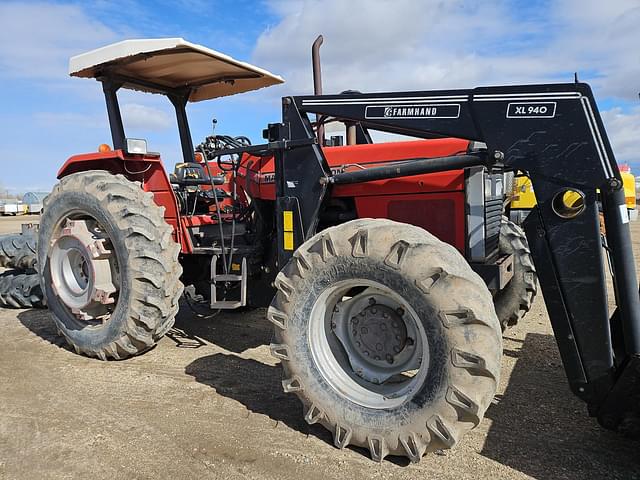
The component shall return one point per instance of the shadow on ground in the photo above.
(258, 387)
(233, 331)
(539, 428)
(40, 323)
(254, 384)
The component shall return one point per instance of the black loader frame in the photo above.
(555, 135)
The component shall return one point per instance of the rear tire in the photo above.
(447, 388)
(20, 290)
(18, 251)
(121, 223)
(514, 301)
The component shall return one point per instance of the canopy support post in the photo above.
(179, 101)
(110, 89)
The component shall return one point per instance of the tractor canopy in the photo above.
(182, 71)
(163, 65)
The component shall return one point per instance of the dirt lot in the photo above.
(207, 403)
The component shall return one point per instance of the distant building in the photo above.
(34, 197)
(33, 201)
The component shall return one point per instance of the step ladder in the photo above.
(217, 278)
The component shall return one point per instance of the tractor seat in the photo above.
(193, 174)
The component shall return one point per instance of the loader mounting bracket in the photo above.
(555, 135)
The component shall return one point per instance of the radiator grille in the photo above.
(485, 194)
(492, 218)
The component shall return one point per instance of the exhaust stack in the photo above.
(317, 81)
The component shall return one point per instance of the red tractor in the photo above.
(380, 263)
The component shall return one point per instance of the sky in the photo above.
(369, 45)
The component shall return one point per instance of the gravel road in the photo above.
(207, 403)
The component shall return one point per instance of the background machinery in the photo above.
(380, 263)
(523, 199)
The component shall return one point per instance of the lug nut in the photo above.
(372, 301)
(400, 311)
(389, 358)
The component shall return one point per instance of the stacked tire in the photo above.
(19, 283)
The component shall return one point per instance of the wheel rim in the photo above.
(84, 269)
(368, 343)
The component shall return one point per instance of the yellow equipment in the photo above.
(629, 184)
(524, 199)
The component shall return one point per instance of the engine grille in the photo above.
(492, 218)
(493, 202)
(485, 195)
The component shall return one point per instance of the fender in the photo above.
(146, 169)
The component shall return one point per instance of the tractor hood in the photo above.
(164, 65)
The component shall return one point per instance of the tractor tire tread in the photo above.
(473, 372)
(155, 269)
(513, 303)
(20, 289)
(18, 251)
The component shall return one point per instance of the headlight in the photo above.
(136, 146)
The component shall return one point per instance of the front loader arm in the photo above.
(554, 133)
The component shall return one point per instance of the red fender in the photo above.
(146, 169)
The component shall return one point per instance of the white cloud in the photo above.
(52, 120)
(137, 116)
(431, 44)
(602, 37)
(409, 45)
(37, 39)
(623, 129)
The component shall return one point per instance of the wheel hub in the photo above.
(80, 267)
(376, 335)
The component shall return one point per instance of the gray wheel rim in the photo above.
(367, 353)
(84, 269)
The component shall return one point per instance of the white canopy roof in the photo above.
(164, 64)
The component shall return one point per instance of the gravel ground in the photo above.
(207, 403)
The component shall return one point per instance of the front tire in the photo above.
(515, 299)
(387, 336)
(109, 265)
